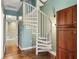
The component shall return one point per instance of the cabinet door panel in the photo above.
(65, 38)
(75, 15)
(69, 41)
(60, 36)
(64, 54)
(71, 56)
(60, 18)
(75, 39)
(69, 15)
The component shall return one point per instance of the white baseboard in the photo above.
(53, 53)
(26, 48)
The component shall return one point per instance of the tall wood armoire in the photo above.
(67, 33)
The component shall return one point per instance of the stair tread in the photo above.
(44, 44)
(42, 41)
(42, 50)
(44, 47)
(42, 38)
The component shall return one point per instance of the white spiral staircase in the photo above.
(40, 25)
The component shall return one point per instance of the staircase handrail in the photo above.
(39, 11)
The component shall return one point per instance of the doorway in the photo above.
(11, 37)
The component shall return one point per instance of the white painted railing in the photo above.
(40, 25)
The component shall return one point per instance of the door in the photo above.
(11, 34)
(11, 31)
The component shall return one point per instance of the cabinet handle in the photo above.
(74, 21)
(75, 32)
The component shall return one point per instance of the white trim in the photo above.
(17, 30)
(26, 48)
(52, 52)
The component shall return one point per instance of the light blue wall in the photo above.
(61, 4)
(25, 38)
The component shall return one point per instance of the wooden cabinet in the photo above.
(67, 33)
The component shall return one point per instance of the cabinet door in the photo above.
(66, 38)
(75, 15)
(75, 42)
(69, 16)
(60, 18)
(64, 54)
(60, 38)
(70, 39)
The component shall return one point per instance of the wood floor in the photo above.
(12, 52)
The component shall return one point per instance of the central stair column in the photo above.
(37, 29)
(23, 3)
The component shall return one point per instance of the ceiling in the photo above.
(11, 7)
(12, 4)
